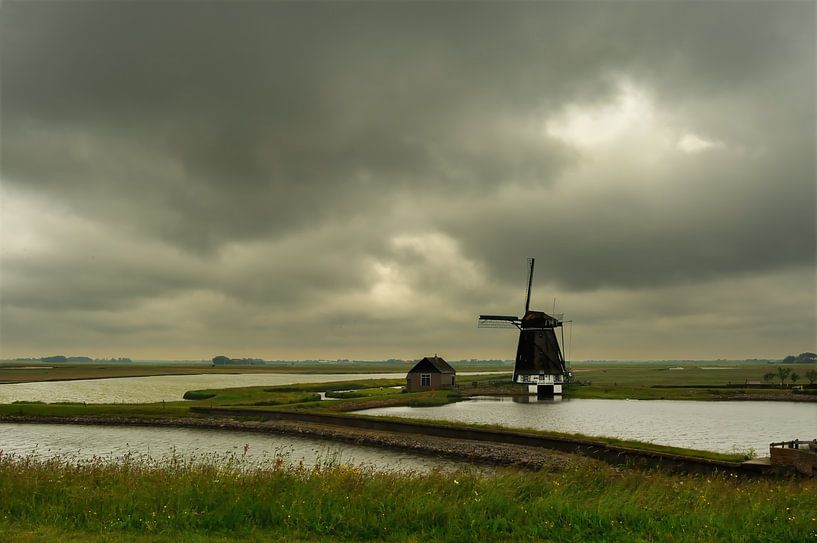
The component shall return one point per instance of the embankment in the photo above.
(497, 447)
(596, 449)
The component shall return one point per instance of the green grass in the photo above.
(199, 395)
(363, 393)
(251, 396)
(222, 500)
(167, 410)
(290, 394)
(70, 372)
(662, 382)
(337, 385)
(648, 375)
(625, 391)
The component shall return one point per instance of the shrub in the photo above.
(198, 395)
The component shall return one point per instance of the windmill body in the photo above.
(539, 361)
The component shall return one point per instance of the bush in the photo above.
(807, 391)
(198, 395)
(346, 395)
(288, 400)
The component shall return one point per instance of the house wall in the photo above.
(438, 381)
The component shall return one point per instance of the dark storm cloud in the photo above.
(266, 114)
(752, 215)
(236, 164)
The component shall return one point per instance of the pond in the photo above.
(78, 442)
(723, 426)
(161, 387)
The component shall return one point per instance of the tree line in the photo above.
(787, 374)
(802, 358)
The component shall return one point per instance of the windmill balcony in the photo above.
(541, 379)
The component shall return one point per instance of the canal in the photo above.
(83, 442)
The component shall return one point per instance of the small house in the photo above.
(430, 373)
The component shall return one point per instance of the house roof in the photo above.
(432, 364)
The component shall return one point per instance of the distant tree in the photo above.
(791, 359)
(794, 377)
(806, 357)
(769, 377)
(54, 359)
(811, 375)
(220, 360)
(782, 374)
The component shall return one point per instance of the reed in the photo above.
(232, 498)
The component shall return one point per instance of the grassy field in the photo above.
(23, 372)
(687, 381)
(220, 500)
(32, 372)
(684, 374)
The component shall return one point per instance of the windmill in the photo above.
(539, 360)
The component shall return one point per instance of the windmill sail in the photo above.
(498, 321)
(531, 261)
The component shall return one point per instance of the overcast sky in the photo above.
(361, 180)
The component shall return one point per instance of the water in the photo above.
(723, 426)
(77, 442)
(718, 426)
(161, 387)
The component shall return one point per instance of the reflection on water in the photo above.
(114, 442)
(722, 426)
(161, 387)
(521, 399)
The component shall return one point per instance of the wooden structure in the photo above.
(800, 455)
(539, 362)
(430, 373)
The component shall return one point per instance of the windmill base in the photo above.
(545, 391)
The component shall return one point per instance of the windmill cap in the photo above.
(533, 319)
